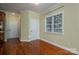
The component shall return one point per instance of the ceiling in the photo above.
(17, 7)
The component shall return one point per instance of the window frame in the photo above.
(49, 15)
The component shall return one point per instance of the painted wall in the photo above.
(26, 17)
(70, 39)
(24, 26)
(34, 30)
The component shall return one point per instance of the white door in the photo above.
(34, 29)
(12, 27)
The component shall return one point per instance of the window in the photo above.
(54, 23)
(49, 24)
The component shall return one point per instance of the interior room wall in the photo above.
(70, 39)
(26, 17)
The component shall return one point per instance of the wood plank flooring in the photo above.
(35, 47)
(48, 49)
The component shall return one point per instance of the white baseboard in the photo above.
(65, 48)
(23, 40)
(32, 40)
(28, 40)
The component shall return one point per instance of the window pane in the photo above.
(49, 24)
(55, 26)
(58, 23)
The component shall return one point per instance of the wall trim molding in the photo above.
(28, 40)
(65, 48)
(23, 40)
(53, 8)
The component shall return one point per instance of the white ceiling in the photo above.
(17, 7)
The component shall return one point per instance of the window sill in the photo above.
(55, 33)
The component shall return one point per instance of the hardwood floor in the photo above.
(35, 47)
(48, 49)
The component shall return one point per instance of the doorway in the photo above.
(12, 25)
